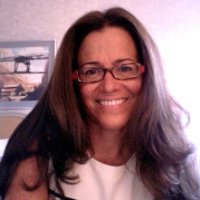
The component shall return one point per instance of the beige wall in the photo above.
(8, 124)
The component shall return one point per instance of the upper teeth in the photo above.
(111, 102)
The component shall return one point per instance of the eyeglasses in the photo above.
(91, 74)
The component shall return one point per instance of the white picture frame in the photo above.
(25, 70)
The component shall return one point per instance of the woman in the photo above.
(106, 127)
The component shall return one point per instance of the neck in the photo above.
(106, 145)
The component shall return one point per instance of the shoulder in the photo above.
(24, 180)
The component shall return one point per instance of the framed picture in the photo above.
(25, 70)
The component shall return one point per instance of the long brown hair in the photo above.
(154, 132)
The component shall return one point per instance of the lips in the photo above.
(112, 102)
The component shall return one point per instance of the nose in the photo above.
(109, 83)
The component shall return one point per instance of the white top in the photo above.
(99, 181)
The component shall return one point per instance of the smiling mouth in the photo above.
(111, 102)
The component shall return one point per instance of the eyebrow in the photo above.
(90, 63)
(118, 61)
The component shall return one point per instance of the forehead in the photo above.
(107, 43)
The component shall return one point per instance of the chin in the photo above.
(108, 123)
(116, 126)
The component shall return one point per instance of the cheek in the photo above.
(87, 98)
(86, 92)
(136, 86)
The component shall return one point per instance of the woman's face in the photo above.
(109, 102)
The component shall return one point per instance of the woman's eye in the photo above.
(90, 72)
(125, 68)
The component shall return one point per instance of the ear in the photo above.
(141, 69)
(74, 75)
